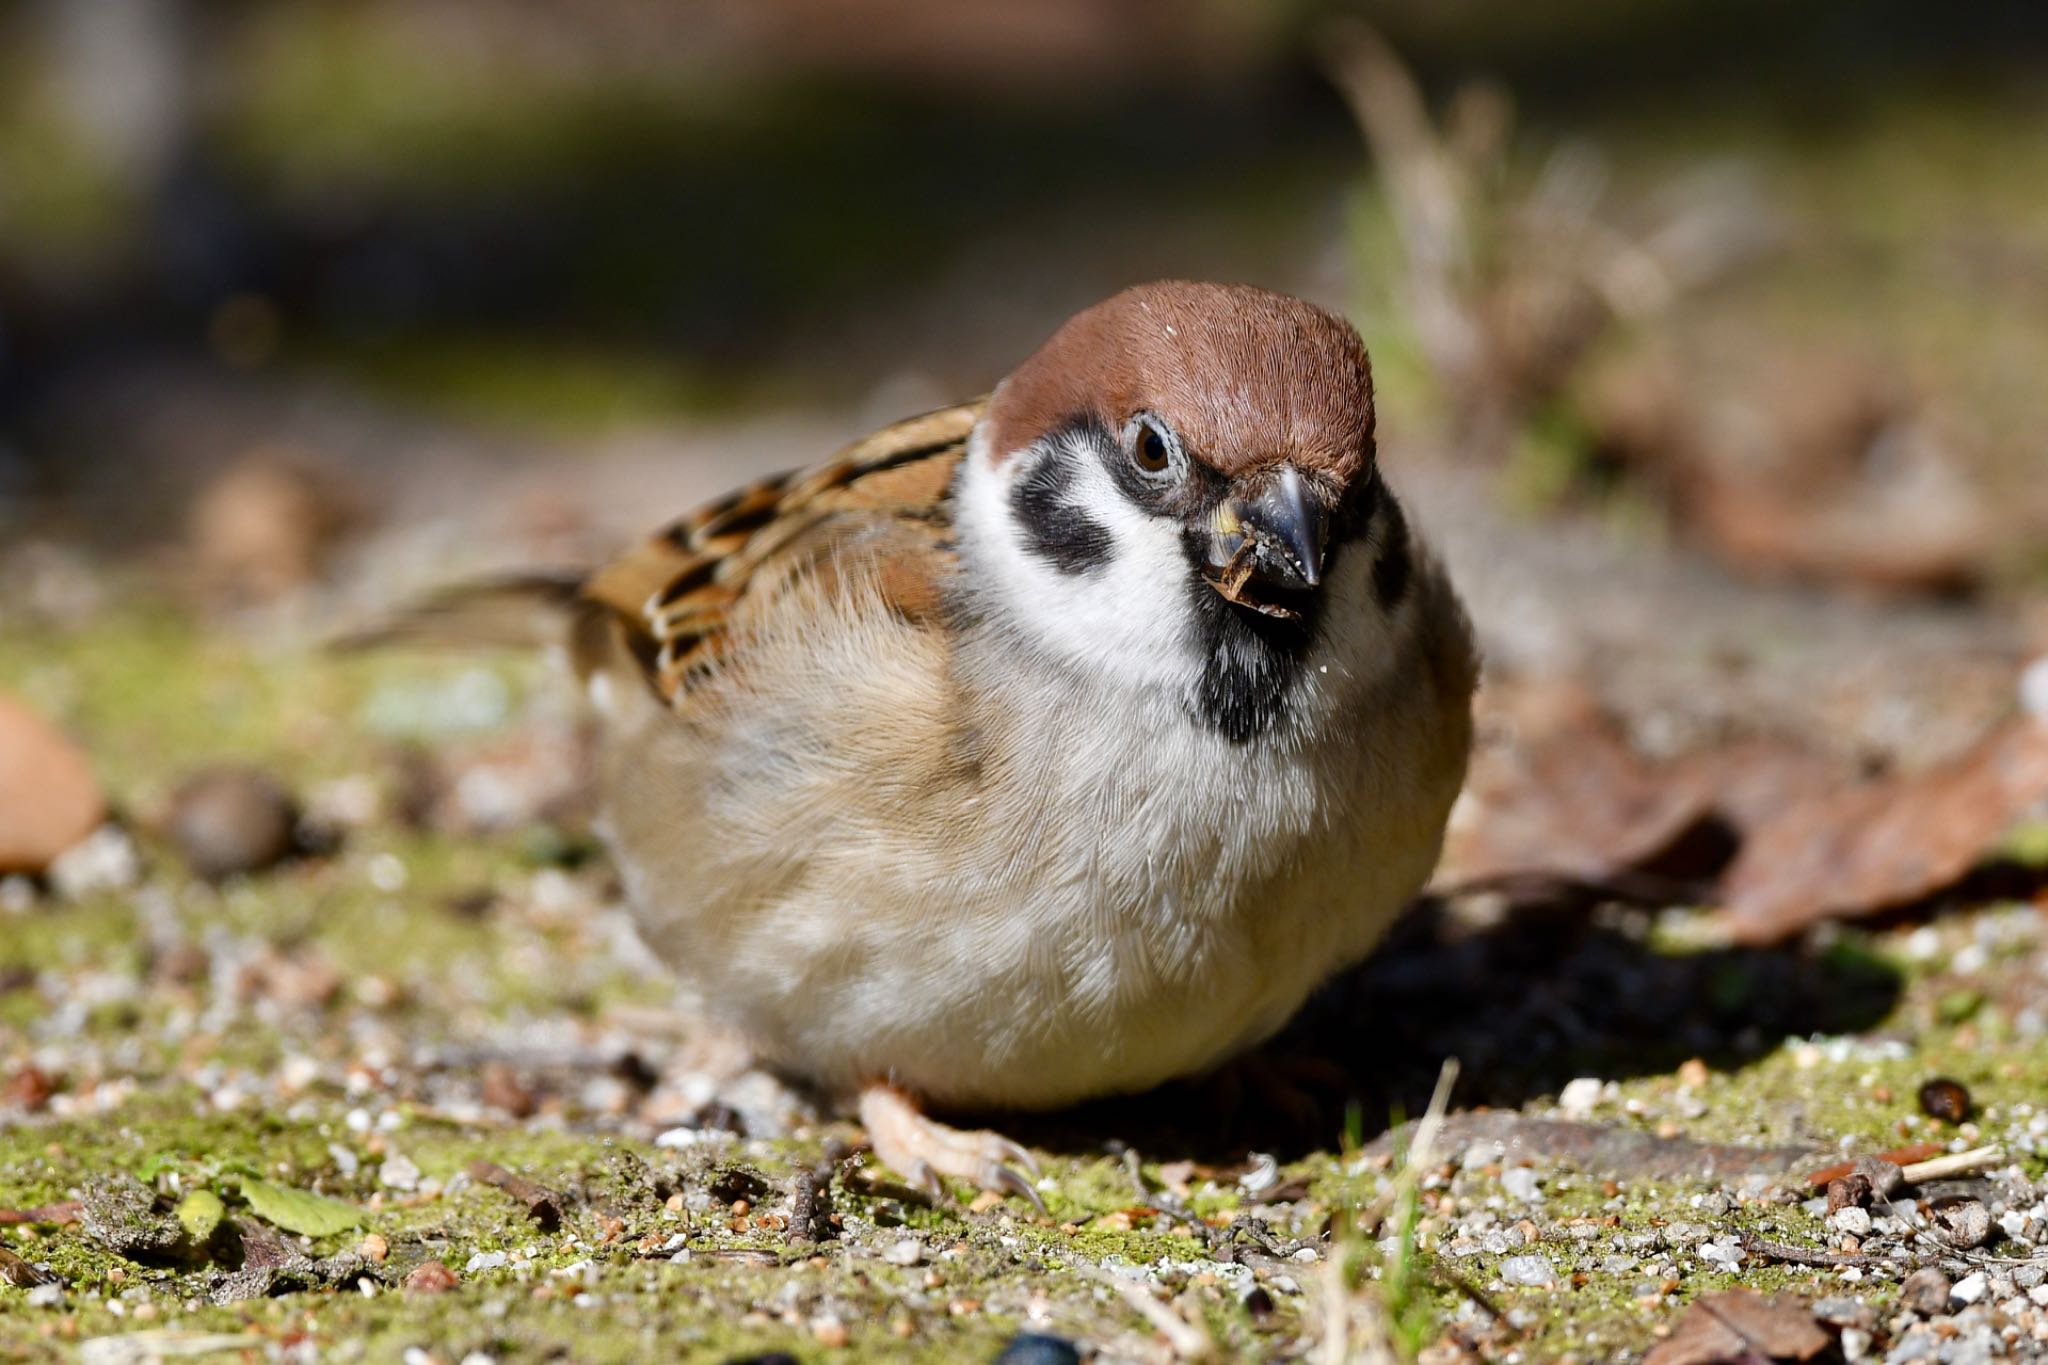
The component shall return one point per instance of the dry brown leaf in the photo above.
(1819, 468)
(1888, 842)
(1558, 792)
(1741, 1326)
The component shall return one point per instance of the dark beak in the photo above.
(1268, 548)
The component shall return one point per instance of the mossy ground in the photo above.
(310, 1024)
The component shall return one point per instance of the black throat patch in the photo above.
(1250, 662)
(1054, 528)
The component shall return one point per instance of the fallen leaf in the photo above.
(1888, 842)
(1822, 468)
(65, 1212)
(1557, 792)
(1740, 1327)
(310, 1215)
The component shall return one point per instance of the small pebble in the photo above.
(1855, 1344)
(1528, 1270)
(2034, 688)
(228, 821)
(1846, 1312)
(398, 1172)
(1520, 1183)
(1925, 1292)
(1580, 1098)
(1038, 1348)
(374, 1249)
(905, 1252)
(1852, 1220)
(1967, 1223)
(1848, 1191)
(1970, 1288)
(1918, 1344)
(1722, 1253)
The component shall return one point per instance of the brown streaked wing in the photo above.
(676, 594)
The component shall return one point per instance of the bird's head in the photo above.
(1177, 472)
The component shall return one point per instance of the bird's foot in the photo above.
(926, 1151)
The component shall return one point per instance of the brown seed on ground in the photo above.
(432, 1277)
(1849, 1191)
(29, 1088)
(49, 799)
(1944, 1099)
(502, 1089)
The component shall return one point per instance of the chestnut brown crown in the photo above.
(1247, 377)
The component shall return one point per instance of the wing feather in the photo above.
(677, 596)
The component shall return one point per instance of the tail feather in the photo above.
(521, 611)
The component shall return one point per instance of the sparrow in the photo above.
(1049, 746)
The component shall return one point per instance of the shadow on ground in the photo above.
(1525, 1004)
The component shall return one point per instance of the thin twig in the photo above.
(1959, 1163)
(1781, 1251)
(543, 1205)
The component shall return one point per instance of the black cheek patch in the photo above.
(1054, 529)
(1395, 566)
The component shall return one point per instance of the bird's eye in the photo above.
(1150, 451)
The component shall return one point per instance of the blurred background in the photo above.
(1710, 333)
(1769, 281)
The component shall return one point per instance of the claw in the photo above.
(1018, 1155)
(1005, 1179)
(928, 1151)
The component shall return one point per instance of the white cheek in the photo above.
(1130, 618)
